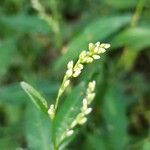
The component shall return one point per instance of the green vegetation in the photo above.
(37, 40)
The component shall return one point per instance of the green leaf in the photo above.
(98, 30)
(26, 23)
(137, 37)
(7, 52)
(14, 95)
(37, 99)
(114, 112)
(68, 111)
(95, 142)
(6, 142)
(38, 130)
(134, 40)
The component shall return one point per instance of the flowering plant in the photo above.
(75, 116)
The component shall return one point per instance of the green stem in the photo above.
(54, 136)
(56, 15)
(138, 12)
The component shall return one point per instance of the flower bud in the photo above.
(96, 56)
(66, 83)
(91, 46)
(76, 73)
(88, 111)
(69, 132)
(70, 64)
(69, 72)
(89, 60)
(82, 120)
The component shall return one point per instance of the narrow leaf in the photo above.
(38, 129)
(37, 99)
(114, 112)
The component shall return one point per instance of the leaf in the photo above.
(137, 37)
(95, 142)
(6, 142)
(98, 30)
(114, 112)
(134, 40)
(7, 52)
(26, 23)
(37, 99)
(14, 95)
(68, 111)
(38, 129)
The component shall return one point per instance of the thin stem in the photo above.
(52, 20)
(56, 16)
(54, 136)
(138, 12)
(60, 92)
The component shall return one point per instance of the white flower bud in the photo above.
(69, 72)
(66, 83)
(90, 97)
(89, 60)
(70, 64)
(101, 50)
(51, 111)
(82, 120)
(76, 73)
(84, 102)
(80, 66)
(96, 56)
(82, 54)
(106, 45)
(69, 132)
(96, 49)
(91, 86)
(88, 111)
(73, 124)
(91, 46)
(97, 44)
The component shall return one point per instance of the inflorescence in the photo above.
(74, 70)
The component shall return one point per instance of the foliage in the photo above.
(34, 50)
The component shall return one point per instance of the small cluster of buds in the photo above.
(86, 57)
(81, 118)
(51, 111)
(85, 110)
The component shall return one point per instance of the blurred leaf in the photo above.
(98, 30)
(146, 145)
(6, 142)
(134, 40)
(35, 96)
(7, 51)
(68, 111)
(95, 142)
(25, 23)
(38, 129)
(137, 38)
(114, 112)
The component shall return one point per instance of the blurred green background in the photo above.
(33, 50)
